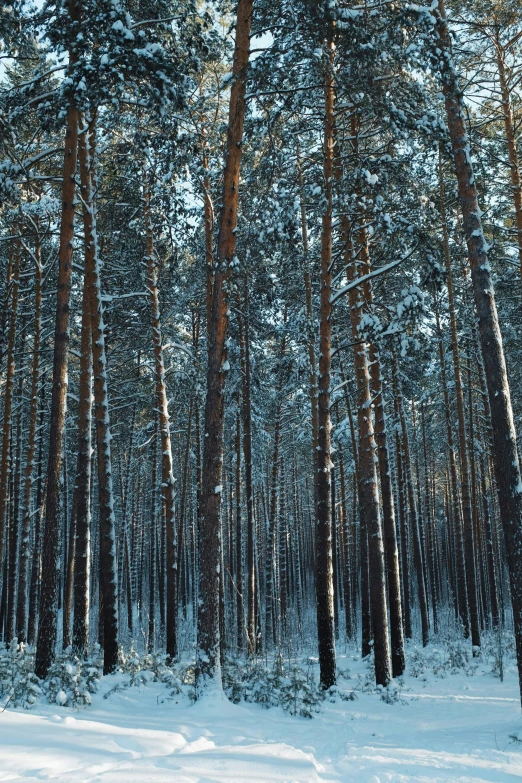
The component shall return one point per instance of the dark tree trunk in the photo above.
(388, 519)
(323, 534)
(108, 568)
(47, 626)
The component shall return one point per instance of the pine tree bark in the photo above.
(511, 141)
(469, 545)
(505, 452)
(403, 524)
(414, 520)
(167, 475)
(388, 519)
(208, 639)
(8, 397)
(22, 601)
(16, 478)
(82, 487)
(108, 564)
(371, 540)
(310, 322)
(32, 619)
(47, 626)
(240, 620)
(244, 347)
(323, 533)
(461, 591)
(270, 552)
(152, 540)
(430, 547)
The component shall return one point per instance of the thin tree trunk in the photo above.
(415, 527)
(240, 620)
(462, 604)
(323, 534)
(152, 541)
(108, 567)
(244, 347)
(16, 476)
(405, 549)
(47, 626)
(270, 586)
(22, 606)
(469, 546)
(5, 464)
(34, 594)
(511, 140)
(430, 548)
(388, 519)
(310, 323)
(167, 475)
(82, 488)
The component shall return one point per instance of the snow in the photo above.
(456, 728)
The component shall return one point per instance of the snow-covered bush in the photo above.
(150, 667)
(280, 685)
(71, 682)
(19, 686)
(392, 693)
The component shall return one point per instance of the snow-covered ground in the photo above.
(457, 728)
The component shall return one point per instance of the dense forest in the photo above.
(261, 284)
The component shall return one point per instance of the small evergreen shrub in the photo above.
(71, 682)
(286, 686)
(151, 667)
(19, 686)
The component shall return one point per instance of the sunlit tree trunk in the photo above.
(505, 453)
(209, 545)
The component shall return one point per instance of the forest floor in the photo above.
(447, 723)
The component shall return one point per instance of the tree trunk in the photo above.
(108, 567)
(167, 475)
(152, 540)
(22, 606)
(16, 477)
(34, 594)
(240, 620)
(415, 527)
(82, 487)
(388, 521)
(8, 399)
(244, 347)
(469, 546)
(47, 626)
(323, 534)
(511, 140)
(208, 640)
(270, 586)
(462, 604)
(405, 548)
(505, 453)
